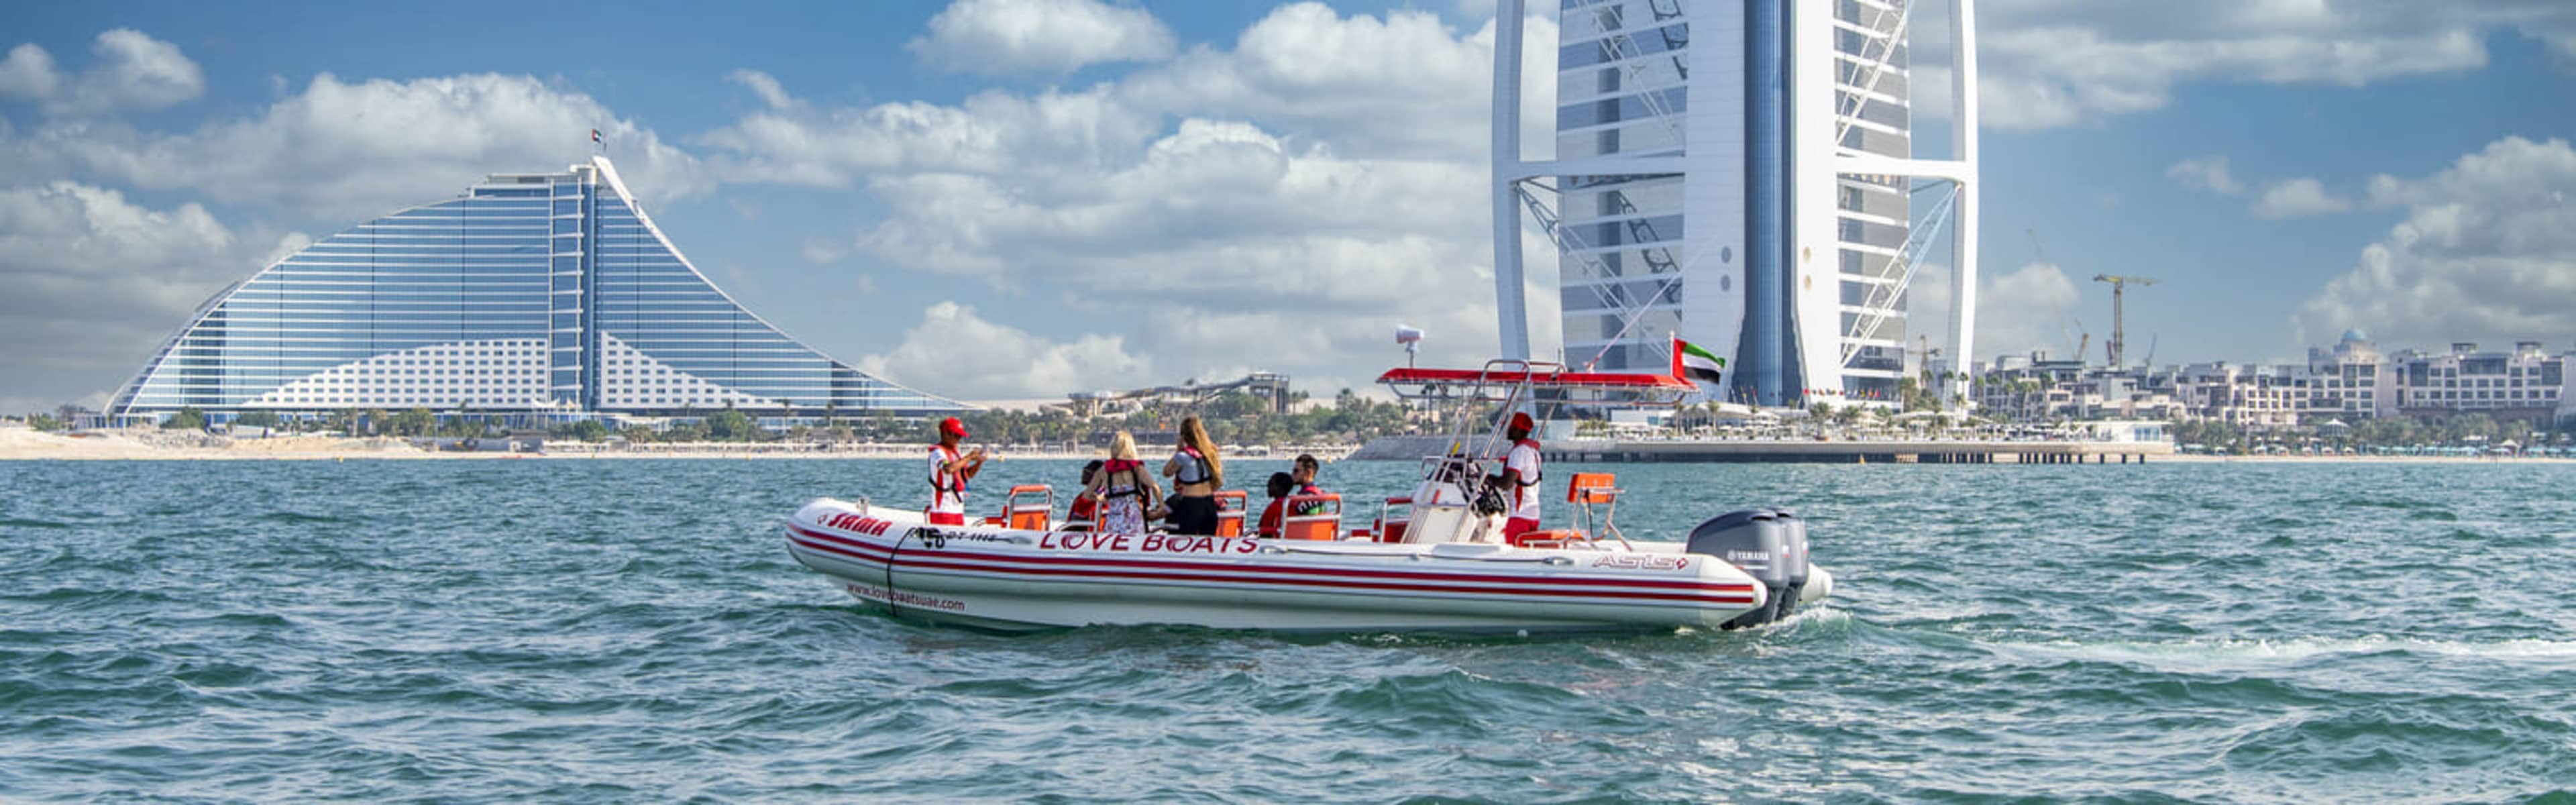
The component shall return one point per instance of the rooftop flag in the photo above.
(594, 136)
(1692, 363)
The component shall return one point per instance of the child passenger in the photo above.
(1079, 514)
(1280, 485)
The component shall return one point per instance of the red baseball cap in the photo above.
(1521, 421)
(953, 427)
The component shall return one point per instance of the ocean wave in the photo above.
(2223, 652)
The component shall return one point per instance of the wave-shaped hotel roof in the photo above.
(544, 293)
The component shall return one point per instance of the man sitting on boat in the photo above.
(1520, 478)
(949, 473)
(1304, 477)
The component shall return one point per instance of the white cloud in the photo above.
(95, 280)
(2205, 173)
(136, 71)
(287, 245)
(132, 71)
(2045, 63)
(28, 74)
(2017, 312)
(824, 250)
(374, 145)
(794, 143)
(1211, 185)
(763, 85)
(995, 37)
(2487, 253)
(2297, 198)
(957, 353)
(1277, 206)
(1402, 84)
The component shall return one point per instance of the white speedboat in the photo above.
(1438, 564)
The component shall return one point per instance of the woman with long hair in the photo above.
(1124, 491)
(1196, 472)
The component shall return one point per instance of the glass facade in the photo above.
(1623, 67)
(1625, 87)
(1873, 214)
(531, 292)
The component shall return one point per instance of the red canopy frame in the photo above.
(1497, 383)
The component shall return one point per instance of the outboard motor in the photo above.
(1767, 544)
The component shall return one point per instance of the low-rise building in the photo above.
(2347, 382)
(2526, 383)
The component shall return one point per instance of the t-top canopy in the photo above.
(1598, 387)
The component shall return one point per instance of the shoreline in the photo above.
(21, 444)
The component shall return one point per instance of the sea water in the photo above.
(573, 630)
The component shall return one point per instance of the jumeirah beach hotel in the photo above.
(549, 294)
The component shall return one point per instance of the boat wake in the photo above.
(2234, 653)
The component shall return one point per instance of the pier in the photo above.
(1857, 451)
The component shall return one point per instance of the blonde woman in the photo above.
(1196, 472)
(1123, 488)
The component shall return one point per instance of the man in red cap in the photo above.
(1521, 477)
(949, 472)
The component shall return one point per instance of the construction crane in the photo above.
(1923, 356)
(2041, 255)
(2081, 344)
(2119, 285)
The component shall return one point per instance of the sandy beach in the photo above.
(26, 444)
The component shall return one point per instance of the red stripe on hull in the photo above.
(1739, 595)
(1072, 561)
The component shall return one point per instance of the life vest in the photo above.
(1207, 474)
(1535, 476)
(1532, 444)
(946, 484)
(1312, 506)
(1109, 472)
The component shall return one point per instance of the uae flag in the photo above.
(1692, 363)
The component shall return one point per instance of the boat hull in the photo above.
(1007, 579)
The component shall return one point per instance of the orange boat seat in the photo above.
(1592, 488)
(1029, 507)
(1325, 525)
(1229, 513)
(1392, 522)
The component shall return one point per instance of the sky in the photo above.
(1014, 199)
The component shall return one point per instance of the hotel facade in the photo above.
(2348, 382)
(547, 293)
(1740, 173)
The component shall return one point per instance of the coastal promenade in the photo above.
(1844, 451)
(1830, 451)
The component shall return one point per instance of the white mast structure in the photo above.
(1713, 156)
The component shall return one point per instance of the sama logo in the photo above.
(929, 538)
